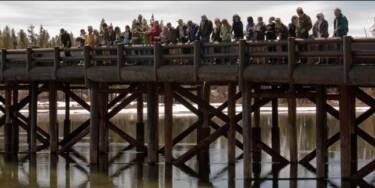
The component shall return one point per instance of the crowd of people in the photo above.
(207, 31)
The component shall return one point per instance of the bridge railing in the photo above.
(347, 51)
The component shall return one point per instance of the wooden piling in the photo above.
(67, 112)
(232, 124)
(152, 123)
(53, 127)
(247, 129)
(348, 140)
(292, 127)
(94, 124)
(168, 122)
(8, 120)
(103, 125)
(256, 136)
(275, 130)
(33, 116)
(321, 134)
(203, 132)
(15, 128)
(140, 127)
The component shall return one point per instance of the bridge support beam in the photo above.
(247, 130)
(152, 123)
(140, 127)
(168, 122)
(8, 121)
(33, 114)
(53, 124)
(275, 130)
(321, 134)
(67, 113)
(348, 140)
(232, 124)
(203, 132)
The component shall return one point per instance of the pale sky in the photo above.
(74, 15)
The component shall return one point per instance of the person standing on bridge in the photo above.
(250, 28)
(192, 31)
(270, 36)
(127, 36)
(320, 28)
(304, 24)
(260, 30)
(66, 42)
(89, 39)
(216, 33)
(182, 31)
(340, 24)
(205, 30)
(237, 27)
(292, 27)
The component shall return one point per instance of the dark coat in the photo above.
(323, 29)
(271, 32)
(205, 28)
(192, 32)
(341, 25)
(237, 29)
(216, 35)
(282, 32)
(260, 30)
(183, 38)
(305, 26)
(292, 30)
(65, 40)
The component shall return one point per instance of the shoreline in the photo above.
(178, 109)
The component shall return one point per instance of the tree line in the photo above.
(31, 37)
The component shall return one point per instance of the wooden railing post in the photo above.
(291, 58)
(347, 54)
(292, 102)
(157, 59)
(29, 59)
(120, 60)
(56, 61)
(87, 61)
(197, 58)
(3, 61)
(242, 61)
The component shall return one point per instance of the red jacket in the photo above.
(155, 34)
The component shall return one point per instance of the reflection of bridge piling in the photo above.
(147, 72)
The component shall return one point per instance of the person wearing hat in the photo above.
(182, 31)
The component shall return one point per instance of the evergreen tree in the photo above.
(14, 39)
(6, 38)
(43, 37)
(22, 39)
(32, 35)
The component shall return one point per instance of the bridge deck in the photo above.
(327, 62)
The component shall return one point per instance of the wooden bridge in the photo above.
(257, 73)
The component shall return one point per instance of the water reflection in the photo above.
(127, 168)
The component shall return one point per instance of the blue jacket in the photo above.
(193, 32)
(341, 25)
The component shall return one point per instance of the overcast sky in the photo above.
(76, 15)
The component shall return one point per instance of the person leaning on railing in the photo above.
(282, 35)
(66, 42)
(237, 27)
(303, 28)
(340, 24)
(320, 30)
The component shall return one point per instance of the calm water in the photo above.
(73, 171)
